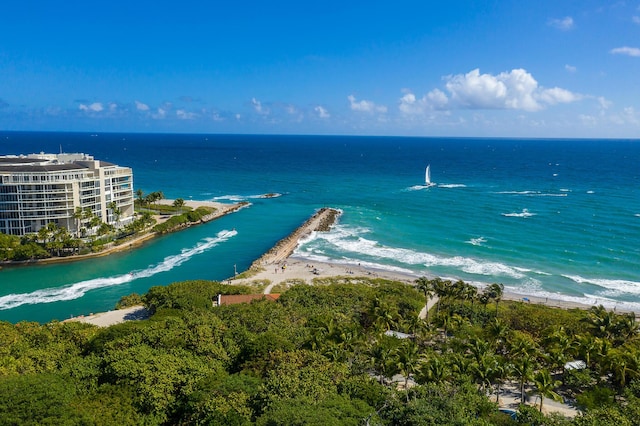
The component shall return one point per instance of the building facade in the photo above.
(37, 189)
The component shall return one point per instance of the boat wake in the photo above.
(77, 290)
(237, 198)
(523, 213)
(476, 241)
(419, 187)
(563, 193)
(452, 185)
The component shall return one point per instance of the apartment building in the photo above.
(37, 189)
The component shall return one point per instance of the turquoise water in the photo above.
(555, 218)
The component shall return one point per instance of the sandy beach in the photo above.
(105, 319)
(297, 269)
(281, 266)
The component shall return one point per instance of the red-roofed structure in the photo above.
(234, 299)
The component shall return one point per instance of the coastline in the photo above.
(222, 209)
(280, 266)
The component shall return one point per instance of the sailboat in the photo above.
(427, 177)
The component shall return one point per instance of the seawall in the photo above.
(321, 221)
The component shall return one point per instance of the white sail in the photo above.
(427, 177)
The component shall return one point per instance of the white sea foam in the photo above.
(535, 193)
(317, 256)
(518, 192)
(77, 290)
(417, 187)
(523, 213)
(350, 240)
(452, 185)
(238, 198)
(476, 241)
(621, 286)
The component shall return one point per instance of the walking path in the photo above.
(105, 319)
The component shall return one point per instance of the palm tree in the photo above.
(602, 322)
(502, 369)
(140, 196)
(381, 357)
(479, 348)
(459, 364)
(484, 371)
(523, 367)
(113, 206)
(78, 215)
(546, 386)
(408, 357)
(178, 203)
(383, 314)
(433, 369)
(440, 288)
(560, 347)
(624, 363)
(627, 327)
(495, 292)
(497, 330)
(588, 347)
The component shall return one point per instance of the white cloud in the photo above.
(94, 107)
(557, 95)
(564, 24)
(160, 114)
(437, 99)
(636, 19)
(570, 68)
(630, 115)
(629, 51)
(322, 112)
(113, 107)
(604, 103)
(516, 89)
(185, 115)
(588, 120)
(434, 100)
(141, 106)
(257, 106)
(512, 90)
(410, 105)
(365, 106)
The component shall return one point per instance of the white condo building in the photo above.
(40, 188)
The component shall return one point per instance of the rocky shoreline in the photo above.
(321, 221)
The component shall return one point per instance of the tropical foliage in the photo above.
(329, 354)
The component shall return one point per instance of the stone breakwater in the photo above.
(321, 221)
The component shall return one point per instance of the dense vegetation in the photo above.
(53, 240)
(319, 355)
(177, 221)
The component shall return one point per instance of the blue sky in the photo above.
(415, 68)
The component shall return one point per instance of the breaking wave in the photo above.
(523, 213)
(77, 290)
(618, 286)
(349, 242)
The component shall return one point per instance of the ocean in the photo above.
(551, 218)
